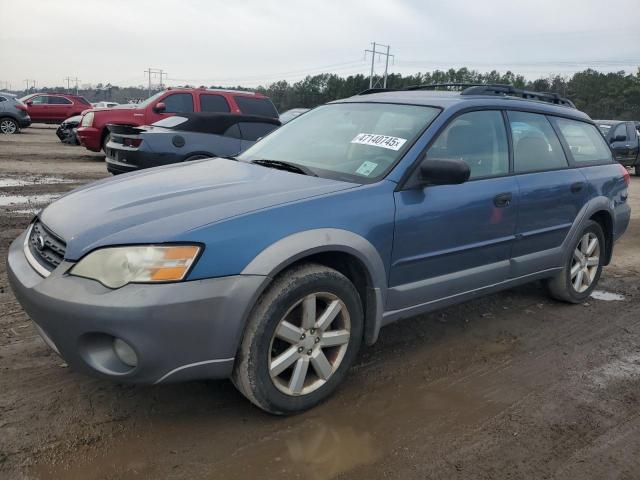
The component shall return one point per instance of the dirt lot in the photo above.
(510, 386)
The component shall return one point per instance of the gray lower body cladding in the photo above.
(179, 331)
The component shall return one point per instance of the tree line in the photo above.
(613, 95)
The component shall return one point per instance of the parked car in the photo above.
(93, 132)
(13, 114)
(624, 139)
(275, 267)
(66, 132)
(104, 104)
(182, 138)
(54, 107)
(291, 114)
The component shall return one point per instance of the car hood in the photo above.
(162, 204)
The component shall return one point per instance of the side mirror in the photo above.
(160, 107)
(619, 138)
(29, 103)
(441, 171)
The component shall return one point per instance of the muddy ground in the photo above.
(514, 385)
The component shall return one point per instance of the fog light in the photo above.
(124, 352)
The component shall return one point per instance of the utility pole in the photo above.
(155, 71)
(375, 52)
(30, 84)
(69, 80)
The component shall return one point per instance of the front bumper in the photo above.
(179, 331)
(90, 138)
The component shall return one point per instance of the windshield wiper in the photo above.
(290, 167)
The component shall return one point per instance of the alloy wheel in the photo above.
(585, 262)
(309, 344)
(8, 126)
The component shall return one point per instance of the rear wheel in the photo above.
(583, 266)
(9, 125)
(301, 339)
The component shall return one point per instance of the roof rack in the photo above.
(369, 91)
(499, 89)
(484, 89)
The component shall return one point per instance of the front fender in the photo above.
(297, 246)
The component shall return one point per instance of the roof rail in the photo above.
(500, 89)
(369, 91)
(443, 86)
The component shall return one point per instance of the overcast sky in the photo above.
(256, 42)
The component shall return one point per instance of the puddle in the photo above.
(19, 182)
(8, 200)
(606, 296)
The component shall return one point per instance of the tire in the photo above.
(576, 288)
(262, 353)
(197, 157)
(9, 126)
(105, 140)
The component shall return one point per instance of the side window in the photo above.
(213, 103)
(256, 106)
(584, 140)
(59, 101)
(2, 99)
(535, 144)
(253, 131)
(631, 131)
(178, 103)
(478, 138)
(40, 100)
(620, 131)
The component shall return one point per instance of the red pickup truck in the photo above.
(93, 134)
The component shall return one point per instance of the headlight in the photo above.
(87, 119)
(115, 267)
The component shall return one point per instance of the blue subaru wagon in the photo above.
(273, 268)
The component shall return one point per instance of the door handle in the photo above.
(502, 200)
(577, 187)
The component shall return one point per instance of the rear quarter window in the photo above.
(253, 131)
(256, 106)
(585, 142)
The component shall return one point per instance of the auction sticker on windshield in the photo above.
(383, 141)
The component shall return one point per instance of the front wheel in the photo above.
(301, 339)
(9, 126)
(583, 266)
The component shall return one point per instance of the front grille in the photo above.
(47, 249)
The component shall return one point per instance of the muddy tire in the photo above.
(9, 126)
(582, 268)
(301, 338)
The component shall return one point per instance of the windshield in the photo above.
(150, 100)
(357, 142)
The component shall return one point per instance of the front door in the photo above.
(453, 239)
(621, 144)
(39, 107)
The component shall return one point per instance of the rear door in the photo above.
(452, 239)
(551, 193)
(212, 102)
(59, 108)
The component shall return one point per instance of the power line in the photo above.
(386, 63)
(155, 71)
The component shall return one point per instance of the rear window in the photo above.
(85, 102)
(585, 142)
(256, 106)
(213, 103)
(536, 146)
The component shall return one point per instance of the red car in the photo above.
(54, 107)
(93, 134)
